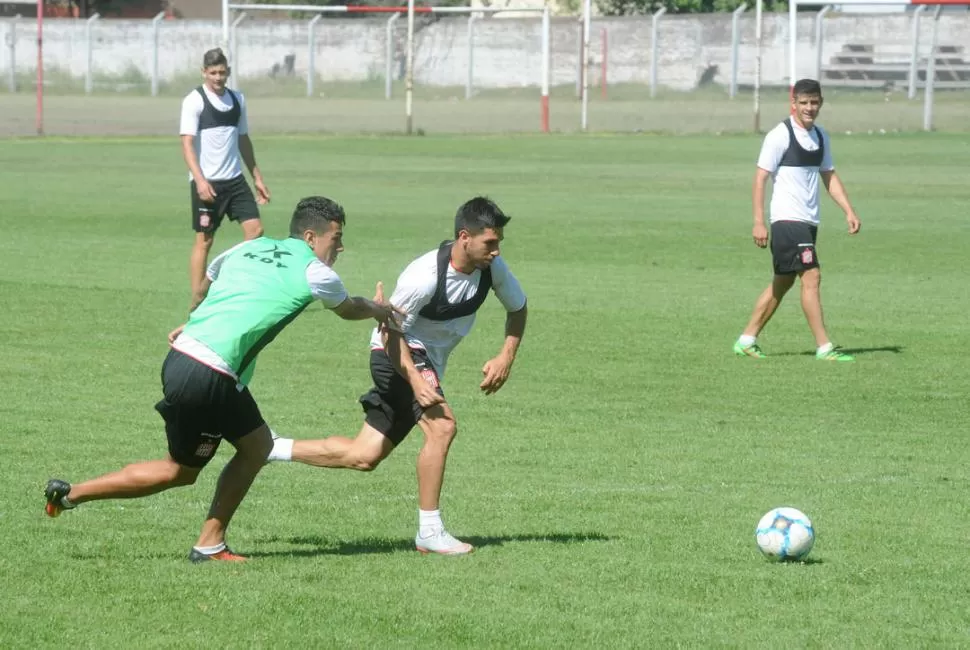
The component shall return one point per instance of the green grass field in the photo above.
(612, 487)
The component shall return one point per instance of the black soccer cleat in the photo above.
(55, 492)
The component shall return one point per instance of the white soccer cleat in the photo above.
(442, 543)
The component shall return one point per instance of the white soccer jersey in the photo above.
(415, 289)
(217, 148)
(795, 191)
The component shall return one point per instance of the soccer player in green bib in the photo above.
(251, 292)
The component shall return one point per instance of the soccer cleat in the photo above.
(55, 492)
(225, 555)
(749, 350)
(835, 354)
(442, 543)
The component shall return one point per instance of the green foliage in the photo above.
(644, 7)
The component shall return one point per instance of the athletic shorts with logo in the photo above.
(234, 199)
(390, 406)
(201, 407)
(793, 246)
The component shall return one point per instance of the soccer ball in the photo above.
(785, 534)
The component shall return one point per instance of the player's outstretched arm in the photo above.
(838, 193)
(497, 370)
(360, 308)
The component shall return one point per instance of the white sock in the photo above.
(825, 349)
(210, 550)
(429, 522)
(282, 449)
(66, 503)
(746, 340)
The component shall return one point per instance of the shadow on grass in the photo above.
(895, 349)
(322, 546)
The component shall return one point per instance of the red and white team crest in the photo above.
(807, 256)
(204, 220)
(431, 377)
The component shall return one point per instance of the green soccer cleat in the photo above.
(835, 354)
(749, 351)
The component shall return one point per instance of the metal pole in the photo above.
(735, 46)
(389, 55)
(88, 76)
(914, 56)
(311, 72)
(587, 10)
(757, 66)
(471, 56)
(579, 61)
(931, 73)
(544, 100)
(156, 21)
(409, 72)
(604, 43)
(12, 45)
(225, 24)
(792, 41)
(233, 42)
(819, 36)
(655, 49)
(39, 118)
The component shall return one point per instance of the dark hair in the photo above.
(478, 214)
(214, 57)
(315, 213)
(806, 87)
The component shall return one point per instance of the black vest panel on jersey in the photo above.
(798, 156)
(439, 308)
(212, 117)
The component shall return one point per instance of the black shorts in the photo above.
(390, 406)
(793, 247)
(201, 407)
(234, 199)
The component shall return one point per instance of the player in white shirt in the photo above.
(215, 143)
(796, 154)
(440, 293)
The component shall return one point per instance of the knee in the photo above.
(182, 475)
(445, 431)
(252, 229)
(811, 280)
(366, 463)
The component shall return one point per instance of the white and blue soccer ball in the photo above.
(785, 534)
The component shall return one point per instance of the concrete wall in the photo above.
(507, 51)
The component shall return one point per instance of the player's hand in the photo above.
(854, 224)
(205, 191)
(262, 192)
(496, 373)
(760, 235)
(426, 395)
(389, 315)
(174, 334)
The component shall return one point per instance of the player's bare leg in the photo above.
(812, 305)
(363, 453)
(252, 228)
(234, 482)
(767, 303)
(131, 482)
(439, 427)
(197, 264)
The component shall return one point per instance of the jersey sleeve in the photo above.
(415, 289)
(243, 127)
(191, 111)
(773, 149)
(827, 162)
(325, 285)
(216, 265)
(506, 286)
